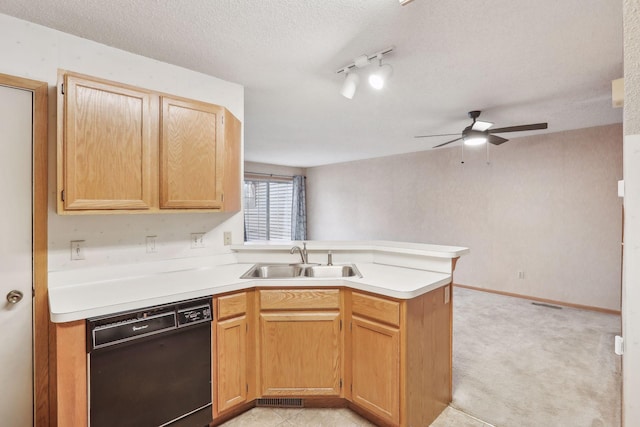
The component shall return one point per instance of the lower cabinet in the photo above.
(375, 368)
(300, 354)
(232, 362)
(300, 342)
(401, 356)
(234, 346)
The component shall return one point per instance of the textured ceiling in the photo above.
(519, 61)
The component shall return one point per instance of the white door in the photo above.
(16, 360)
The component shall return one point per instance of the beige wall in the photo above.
(36, 52)
(546, 205)
(631, 287)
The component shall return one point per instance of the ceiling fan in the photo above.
(479, 132)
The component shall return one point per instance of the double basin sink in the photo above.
(288, 271)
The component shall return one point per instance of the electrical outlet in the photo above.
(197, 240)
(227, 238)
(520, 274)
(77, 250)
(151, 244)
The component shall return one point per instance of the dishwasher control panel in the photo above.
(119, 328)
(190, 315)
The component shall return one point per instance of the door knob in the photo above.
(14, 297)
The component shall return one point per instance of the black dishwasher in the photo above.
(151, 367)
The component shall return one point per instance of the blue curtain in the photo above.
(299, 209)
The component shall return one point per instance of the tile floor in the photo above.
(341, 417)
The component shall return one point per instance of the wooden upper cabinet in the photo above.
(123, 149)
(232, 180)
(107, 146)
(191, 154)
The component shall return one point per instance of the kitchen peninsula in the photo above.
(379, 344)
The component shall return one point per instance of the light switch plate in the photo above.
(152, 248)
(197, 240)
(77, 250)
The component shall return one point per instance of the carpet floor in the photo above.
(516, 364)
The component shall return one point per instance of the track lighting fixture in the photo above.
(377, 78)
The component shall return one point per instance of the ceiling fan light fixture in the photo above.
(475, 140)
(349, 85)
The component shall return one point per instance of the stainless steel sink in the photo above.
(273, 271)
(288, 271)
(332, 271)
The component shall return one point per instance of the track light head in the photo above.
(379, 77)
(349, 85)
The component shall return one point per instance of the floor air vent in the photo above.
(280, 402)
(541, 304)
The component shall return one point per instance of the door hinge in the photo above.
(62, 88)
(62, 195)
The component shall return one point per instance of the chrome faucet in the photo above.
(303, 252)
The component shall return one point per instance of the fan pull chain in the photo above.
(462, 156)
(487, 144)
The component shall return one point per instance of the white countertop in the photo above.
(81, 301)
(76, 295)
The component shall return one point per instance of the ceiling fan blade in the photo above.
(442, 134)
(448, 142)
(496, 140)
(535, 126)
(481, 126)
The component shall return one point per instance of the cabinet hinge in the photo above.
(222, 197)
(247, 387)
(351, 388)
(351, 326)
(340, 382)
(340, 324)
(62, 88)
(62, 195)
(246, 327)
(222, 119)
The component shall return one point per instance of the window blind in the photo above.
(267, 212)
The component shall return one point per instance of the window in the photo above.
(267, 209)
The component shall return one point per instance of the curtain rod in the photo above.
(269, 174)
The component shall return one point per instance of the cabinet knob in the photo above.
(14, 296)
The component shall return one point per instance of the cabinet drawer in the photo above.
(376, 308)
(300, 299)
(232, 305)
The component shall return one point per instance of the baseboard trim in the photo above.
(544, 300)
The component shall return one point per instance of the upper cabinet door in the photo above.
(191, 154)
(107, 146)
